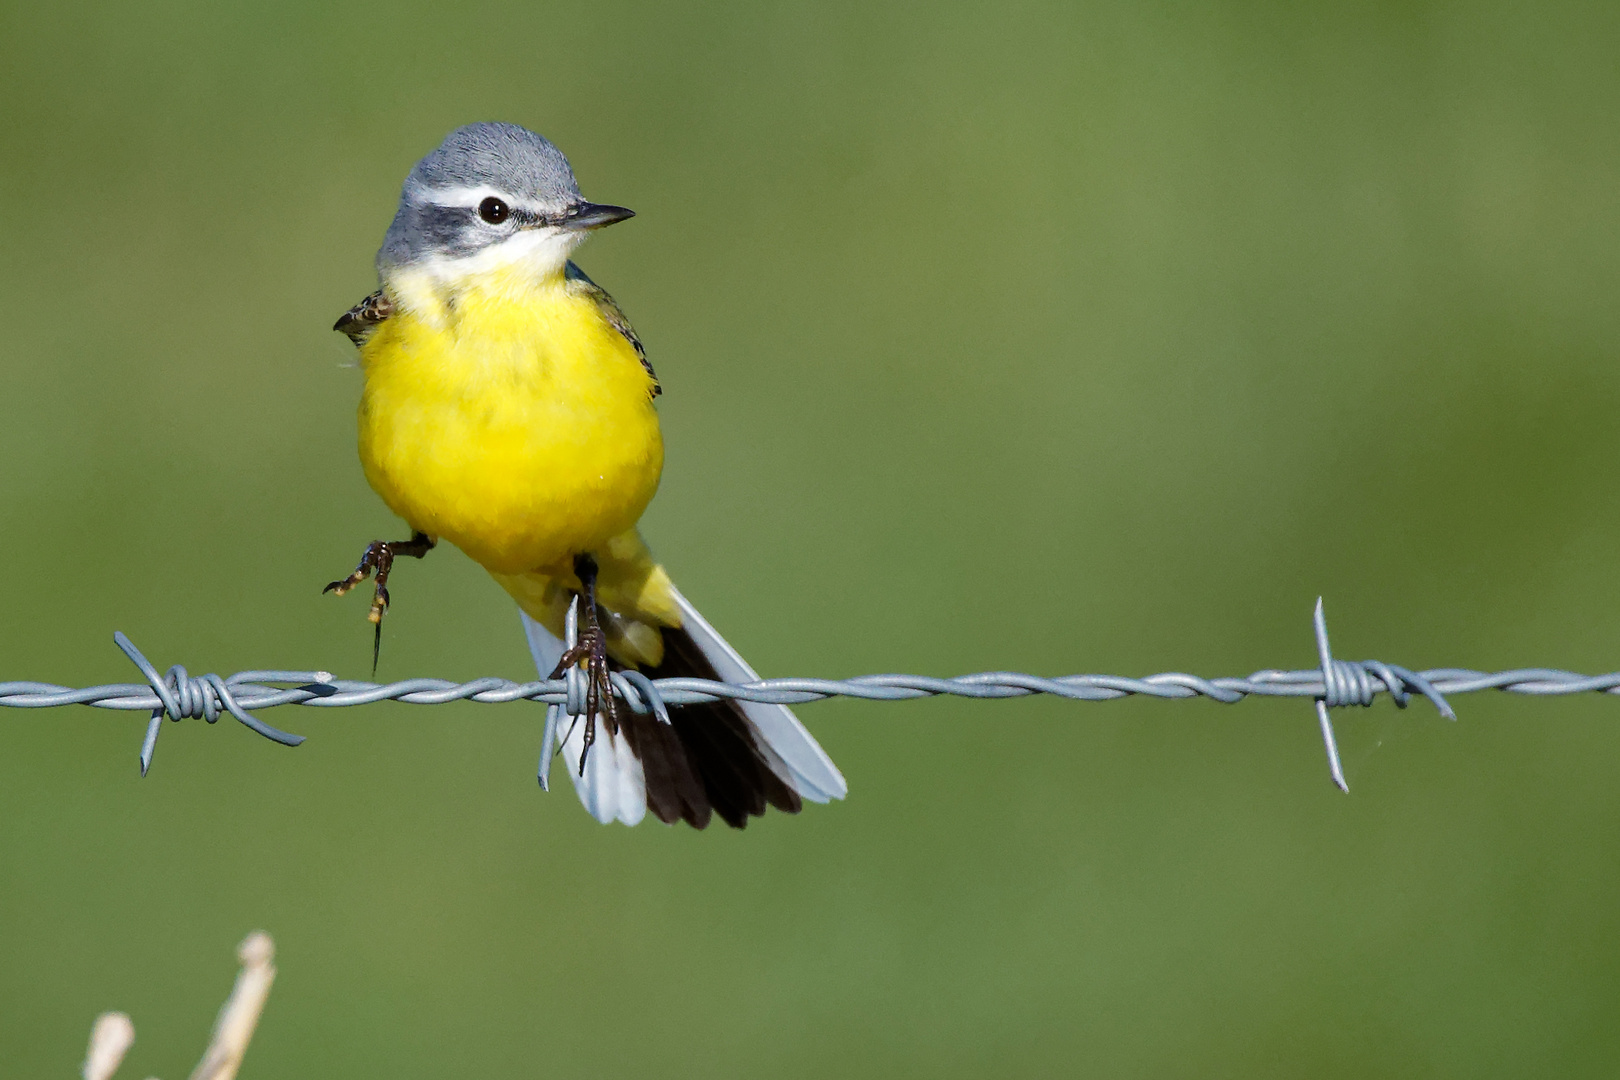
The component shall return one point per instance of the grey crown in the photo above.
(510, 159)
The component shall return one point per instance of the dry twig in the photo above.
(113, 1033)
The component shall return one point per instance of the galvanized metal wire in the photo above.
(179, 695)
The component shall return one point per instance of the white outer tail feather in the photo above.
(812, 773)
(614, 788)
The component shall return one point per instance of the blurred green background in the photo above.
(1067, 337)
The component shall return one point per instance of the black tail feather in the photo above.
(674, 793)
(709, 757)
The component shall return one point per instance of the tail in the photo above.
(731, 758)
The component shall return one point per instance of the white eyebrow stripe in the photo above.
(472, 196)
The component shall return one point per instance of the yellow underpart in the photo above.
(503, 413)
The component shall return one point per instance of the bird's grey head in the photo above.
(495, 189)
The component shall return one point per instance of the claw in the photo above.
(591, 650)
(379, 601)
(379, 561)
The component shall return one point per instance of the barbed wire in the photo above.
(1335, 683)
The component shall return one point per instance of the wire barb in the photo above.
(180, 697)
(1332, 684)
(1347, 682)
(1342, 684)
(574, 679)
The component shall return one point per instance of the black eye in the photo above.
(493, 210)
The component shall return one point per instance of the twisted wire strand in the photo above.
(179, 695)
(197, 696)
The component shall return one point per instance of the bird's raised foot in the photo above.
(378, 561)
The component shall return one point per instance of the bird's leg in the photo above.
(591, 650)
(379, 560)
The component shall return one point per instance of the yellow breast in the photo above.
(510, 419)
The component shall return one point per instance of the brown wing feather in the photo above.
(361, 320)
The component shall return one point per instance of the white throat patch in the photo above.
(538, 254)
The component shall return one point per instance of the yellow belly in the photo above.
(516, 424)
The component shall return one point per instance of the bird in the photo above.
(508, 408)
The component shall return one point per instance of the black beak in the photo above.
(594, 215)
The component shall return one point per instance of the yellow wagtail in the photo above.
(508, 409)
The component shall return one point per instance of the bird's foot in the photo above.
(590, 649)
(378, 561)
